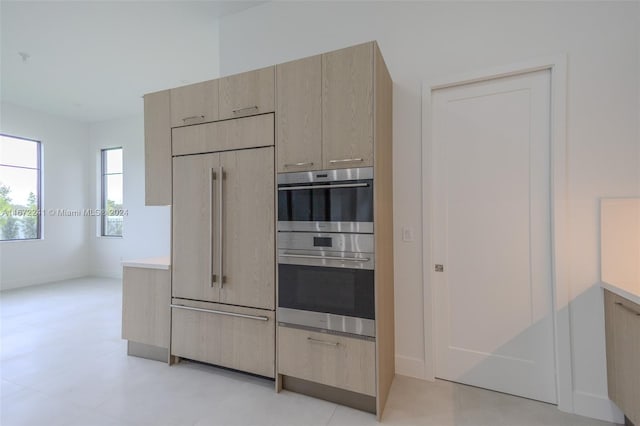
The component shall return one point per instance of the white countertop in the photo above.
(629, 291)
(163, 262)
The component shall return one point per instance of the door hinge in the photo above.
(439, 268)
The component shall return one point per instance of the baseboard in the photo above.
(42, 279)
(410, 366)
(107, 273)
(597, 407)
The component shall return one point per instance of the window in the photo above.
(20, 217)
(112, 212)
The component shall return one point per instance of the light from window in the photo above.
(113, 213)
(19, 189)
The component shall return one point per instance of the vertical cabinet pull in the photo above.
(220, 223)
(212, 180)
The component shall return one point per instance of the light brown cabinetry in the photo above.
(299, 85)
(194, 217)
(325, 108)
(230, 336)
(622, 322)
(347, 107)
(356, 131)
(225, 135)
(157, 148)
(248, 93)
(195, 103)
(331, 111)
(338, 361)
(224, 201)
(146, 294)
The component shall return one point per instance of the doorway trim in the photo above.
(557, 64)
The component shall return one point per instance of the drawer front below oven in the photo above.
(338, 361)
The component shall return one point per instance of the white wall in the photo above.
(423, 41)
(146, 230)
(62, 253)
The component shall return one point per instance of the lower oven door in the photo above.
(338, 299)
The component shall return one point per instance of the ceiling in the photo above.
(93, 60)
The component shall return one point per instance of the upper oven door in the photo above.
(326, 201)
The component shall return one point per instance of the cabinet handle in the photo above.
(347, 160)
(322, 342)
(308, 163)
(220, 223)
(213, 311)
(214, 277)
(626, 308)
(246, 109)
(193, 117)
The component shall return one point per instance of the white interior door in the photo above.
(491, 231)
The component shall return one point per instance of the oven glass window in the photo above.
(339, 291)
(327, 205)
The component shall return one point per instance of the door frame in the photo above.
(557, 64)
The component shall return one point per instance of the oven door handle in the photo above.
(340, 185)
(311, 256)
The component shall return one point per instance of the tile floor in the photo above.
(63, 363)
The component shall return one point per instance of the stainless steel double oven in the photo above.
(326, 250)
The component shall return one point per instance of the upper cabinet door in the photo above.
(299, 107)
(248, 239)
(196, 227)
(248, 93)
(195, 103)
(157, 149)
(347, 107)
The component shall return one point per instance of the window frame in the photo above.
(103, 191)
(39, 216)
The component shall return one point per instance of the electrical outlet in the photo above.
(407, 234)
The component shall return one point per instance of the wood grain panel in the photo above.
(249, 232)
(383, 231)
(347, 107)
(328, 359)
(195, 103)
(226, 135)
(299, 114)
(623, 354)
(146, 295)
(194, 227)
(240, 343)
(157, 148)
(240, 93)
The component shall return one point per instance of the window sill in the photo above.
(30, 240)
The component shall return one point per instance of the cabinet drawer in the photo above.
(331, 360)
(229, 336)
(249, 132)
(248, 93)
(195, 103)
